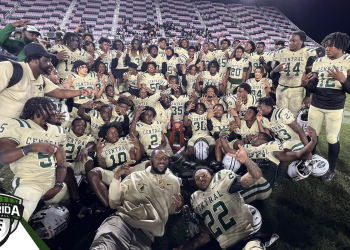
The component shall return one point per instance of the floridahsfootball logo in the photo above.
(11, 211)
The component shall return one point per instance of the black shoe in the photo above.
(192, 223)
(279, 177)
(328, 176)
(84, 211)
(189, 164)
(214, 165)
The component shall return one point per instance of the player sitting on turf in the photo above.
(260, 86)
(198, 122)
(237, 68)
(210, 97)
(34, 162)
(242, 100)
(219, 196)
(267, 154)
(211, 77)
(248, 127)
(112, 152)
(281, 122)
(151, 79)
(154, 57)
(144, 200)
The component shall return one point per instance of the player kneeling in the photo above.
(112, 152)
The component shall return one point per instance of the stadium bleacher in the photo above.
(236, 21)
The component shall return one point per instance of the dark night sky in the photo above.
(317, 18)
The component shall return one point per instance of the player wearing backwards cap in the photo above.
(31, 83)
(16, 46)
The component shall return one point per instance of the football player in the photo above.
(267, 154)
(161, 45)
(155, 57)
(67, 54)
(132, 227)
(102, 74)
(198, 122)
(329, 84)
(130, 80)
(211, 77)
(172, 61)
(164, 112)
(242, 100)
(120, 63)
(182, 48)
(210, 97)
(79, 147)
(260, 86)
(150, 131)
(220, 194)
(151, 79)
(189, 58)
(248, 128)
(135, 53)
(178, 102)
(104, 54)
(260, 58)
(290, 65)
(189, 80)
(33, 147)
(205, 55)
(217, 120)
(237, 68)
(249, 49)
(222, 55)
(112, 152)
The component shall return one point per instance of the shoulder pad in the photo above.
(22, 123)
(60, 130)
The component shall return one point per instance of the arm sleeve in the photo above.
(125, 124)
(144, 66)
(184, 80)
(127, 59)
(346, 85)
(311, 86)
(6, 43)
(164, 68)
(118, 191)
(236, 185)
(275, 76)
(309, 64)
(114, 63)
(210, 125)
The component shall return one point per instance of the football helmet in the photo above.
(299, 170)
(257, 220)
(50, 221)
(320, 165)
(201, 149)
(302, 118)
(231, 163)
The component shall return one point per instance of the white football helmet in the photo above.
(231, 163)
(302, 118)
(50, 221)
(299, 170)
(201, 149)
(257, 220)
(320, 166)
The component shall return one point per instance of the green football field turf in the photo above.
(307, 215)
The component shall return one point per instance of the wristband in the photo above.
(186, 113)
(23, 152)
(27, 149)
(59, 184)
